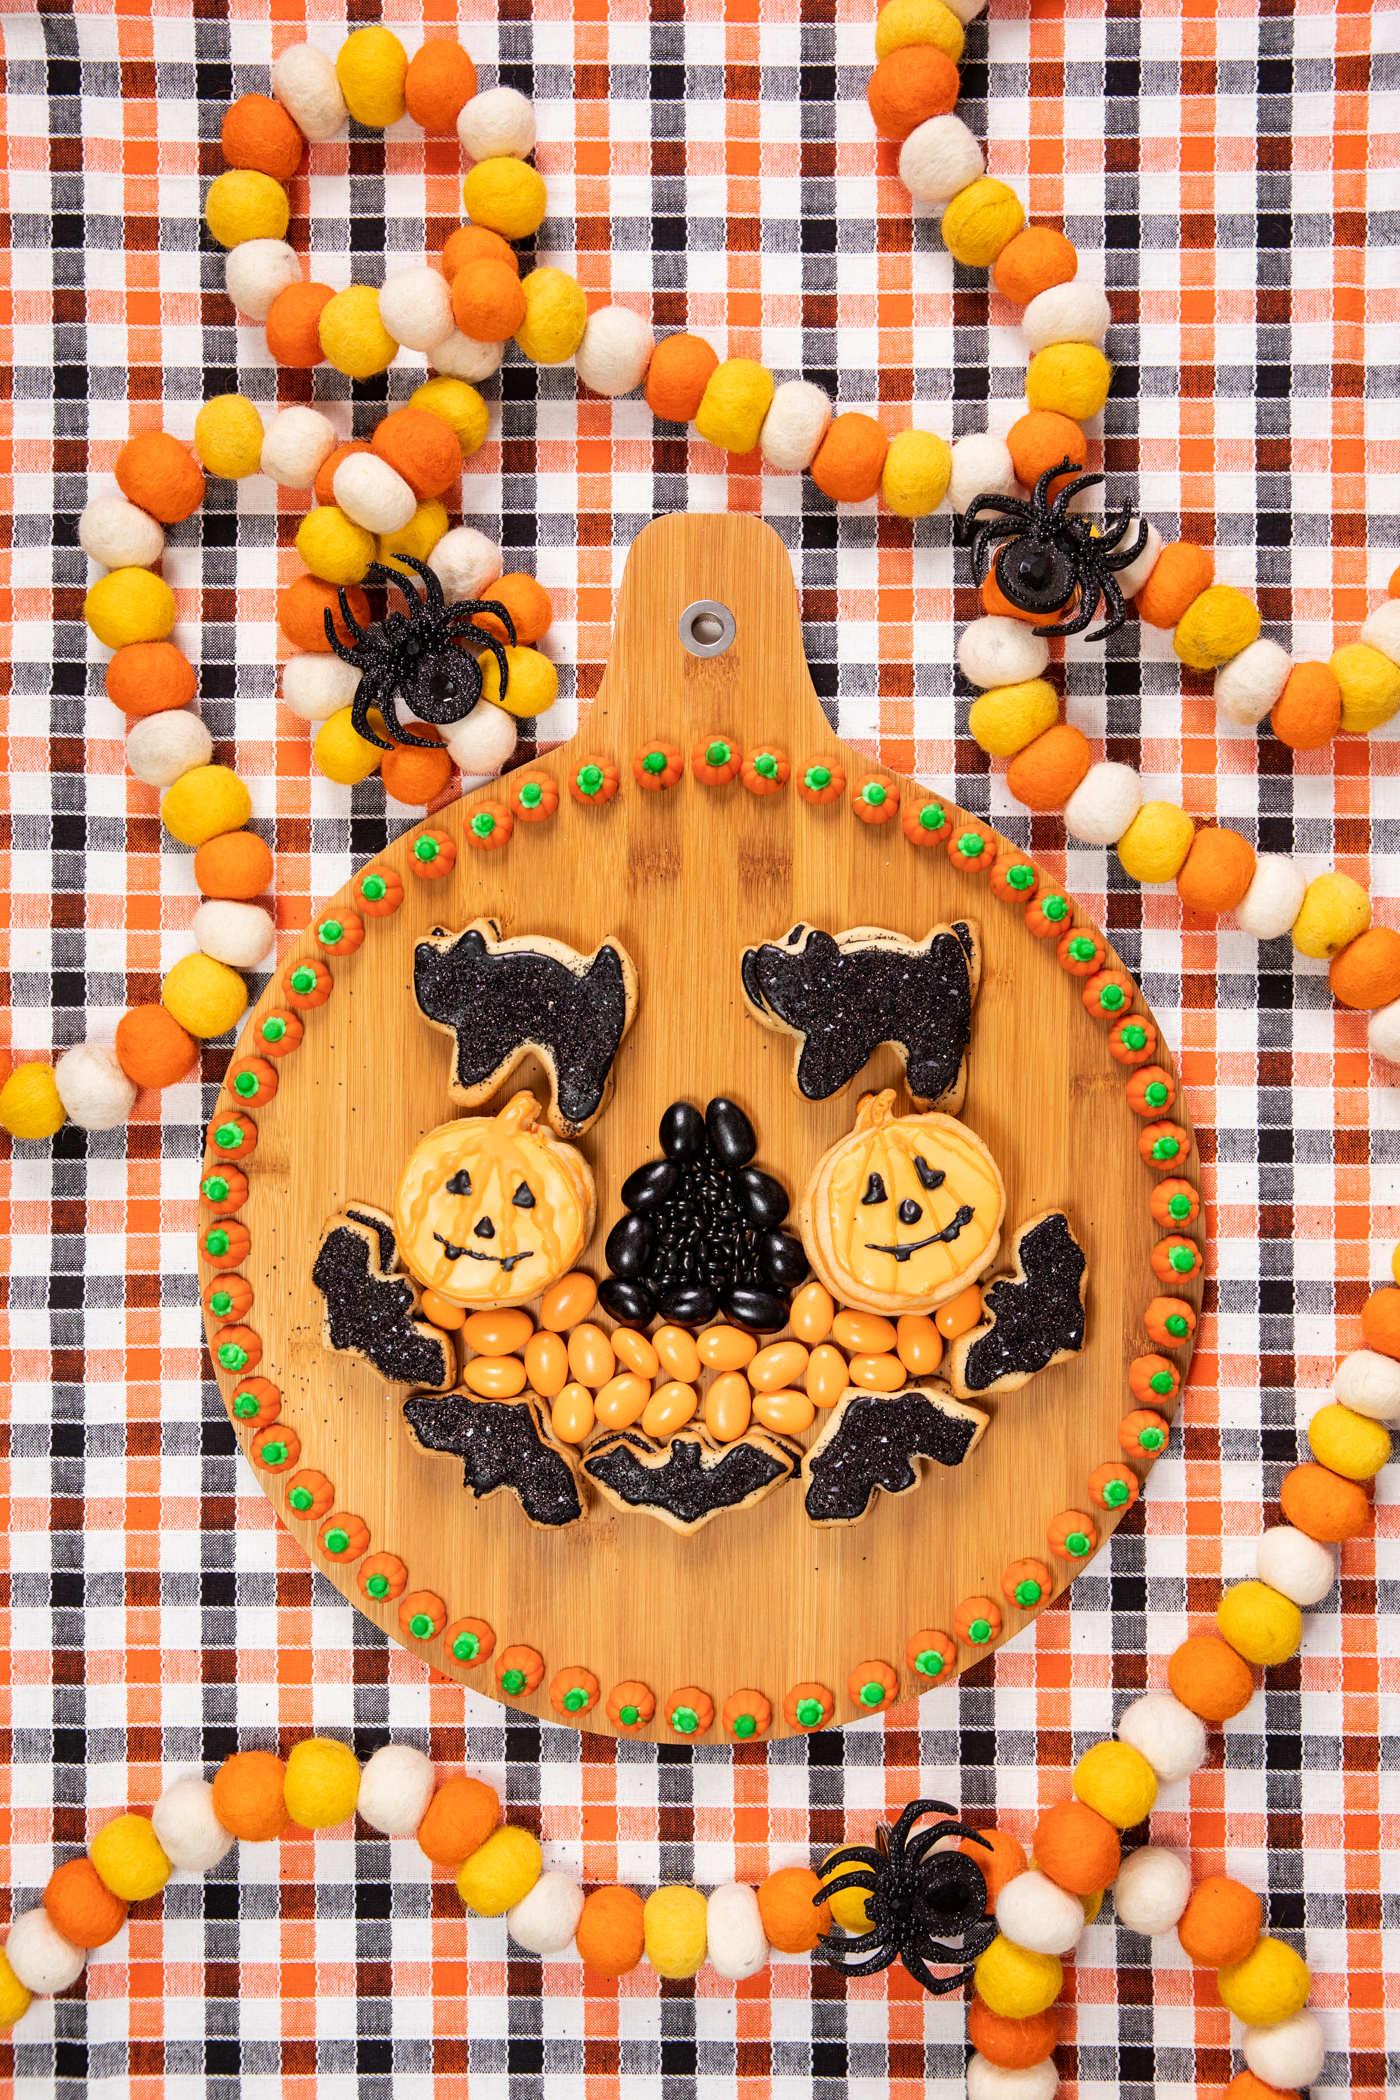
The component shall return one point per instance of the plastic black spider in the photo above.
(918, 1899)
(1051, 559)
(414, 656)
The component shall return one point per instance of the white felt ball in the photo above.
(1383, 1032)
(1131, 580)
(256, 272)
(480, 745)
(190, 1833)
(1369, 1384)
(372, 494)
(1067, 313)
(1035, 1913)
(416, 308)
(465, 562)
(796, 423)
(939, 158)
(462, 357)
(93, 1087)
(1289, 2054)
(1166, 1733)
(996, 651)
(546, 1920)
(499, 121)
(119, 535)
(967, 10)
(734, 1932)
(1104, 804)
(988, 2081)
(1274, 897)
(981, 467)
(237, 934)
(1247, 687)
(1295, 1565)
(162, 747)
(304, 82)
(40, 1956)
(296, 445)
(1153, 1888)
(317, 687)
(615, 351)
(395, 1789)
(1382, 629)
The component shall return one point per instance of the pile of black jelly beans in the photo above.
(700, 1236)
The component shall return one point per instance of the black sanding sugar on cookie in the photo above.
(872, 1445)
(501, 1444)
(687, 1481)
(1034, 1319)
(369, 1311)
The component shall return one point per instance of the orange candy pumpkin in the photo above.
(931, 1655)
(519, 1671)
(1013, 878)
(1027, 1583)
(573, 1692)
(310, 1496)
(1049, 915)
(378, 892)
(1133, 1040)
(1072, 1536)
(489, 827)
(972, 850)
(1170, 1322)
(1143, 1433)
(657, 765)
(422, 1615)
(745, 1716)
(714, 761)
(977, 1621)
(343, 1537)
(1152, 1380)
(808, 1707)
(382, 1578)
(631, 1705)
(874, 799)
(1151, 1091)
(764, 770)
(434, 855)
(469, 1642)
(306, 983)
(871, 1687)
(275, 1447)
(925, 823)
(256, 1403)
(534, 797)
(690, 1712)
(821, 780)
(593, 781)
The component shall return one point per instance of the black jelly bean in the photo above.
(682, 1131)
(760, 1310)
(628, 1246)
(764, 1200)
(783, 1259)
(648, 1187)
(630, 1302)
(730, 1133)
(692, 1304)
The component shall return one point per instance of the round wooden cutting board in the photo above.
(685, 879)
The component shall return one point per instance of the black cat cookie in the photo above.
(691, 1479)
(371, 1307)
(501, 999)
(870, 1443)
(506, 1446)
(1030, 1319)
(842, 995)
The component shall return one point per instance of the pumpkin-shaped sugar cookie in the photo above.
(491, 1210)
(904, 1213)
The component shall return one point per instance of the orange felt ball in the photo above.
(1037, 259)
(146, 678)
(248, 1798)
(1040, 441)
(1220, 1923)
(415, 777)
(1048, 771)
(440, 81)
(1245, 2085)
(994, 600)
(258, 133)
(470, 244)
(1324, 1505)
(1077, 1847)
(422, 448)
(528, 603)
(913, 84)
(152, 1048)
(677, 377)
(1003, 1863)
(293, 326)
(1183, 571)
(302, 609)
(488, 300)
(236, 864)
(323, 488)
(791, 1921)
(1210, 1678)
(1218, 871)
(1013, 2045)
(157, 473)
(1380, 1322)
(81, 1906)
(1392, 589)
(1367, 972)
(611, 1936)
(1308, 712)
(851, 459)
(461, 1816)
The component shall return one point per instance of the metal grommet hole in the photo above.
(707, 628)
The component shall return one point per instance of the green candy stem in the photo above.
(872, 1694)
(718, 754)
(1165, 1148)
(589, 779)
(329, 932)
(300, 1498)
(217, 1242)
(531, 795)
(231, 1357)
(929, 1663)
(304, 979)
(229, 1136)
(1164, 1383)
(426, 849)
(215, 1189)
(630, 1715)
(575, 1700)
(1020, 877)
(247, 1085)
(814, 780)
(1179, 1206)
(483, 824)
(654, 762)
(337, 1540)
(1150, 1440)
(1135, 1038)
(1081, 948)
(1156, 1095)
(420, 1626)
(1177, 1326)
(1183, 1260)
(1027, 1594)
(221, 1303)
(809, 1712)
(513, 1681)
(685, 1720)
(979, 1632)
(245, 1407)
(932, 817)
(374, 887)
(378, 1585)
(1115, 1494)
(1055, 909)
(273, 1029)
(1111, 998)
(744, 1726)
(767, 765)
(274, 1454)
(1077, 1544)
(466, 1647)
(971, 845)
(874, 795)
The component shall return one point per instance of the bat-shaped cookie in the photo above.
(871, 1442)
(692, 1479)
(503, 1444)
(1029, 1319)
(371, 1307)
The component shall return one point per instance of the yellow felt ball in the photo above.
(736, 399)
(353, 337)
(501, 1872)
(1117, 1781)
(918, 22)
(1370, 685)
(371, 69)
(333, 546)
(129, 1860)
(979, 223)
(1215, 627)
(342, 754)
(418, 537)
(203, 803)
(244, 205)
(531, 688)
(205, 997)
(1348, 1443)
(1092, 1905)
(459, 406)
(14, 1998)
(1009, 717)
(1334, 911)
(914, 479)
(1260, 1623)
(1155, 845)
(673, 1923)
(556, 314)
(1016, 1983)
(1070, 379)
(322, 1783)
(30, 1107)
(228, 436)
(1271, 1984)
(506, 195)
(129, 605)
(849, 1906)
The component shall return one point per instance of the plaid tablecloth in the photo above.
(1234, 178)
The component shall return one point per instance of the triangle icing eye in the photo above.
(460, 1183)
(874, 1191)
(929, 1177)
(522, 1199)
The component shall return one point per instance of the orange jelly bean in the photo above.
(669, 1408)
(495, 1377)
(442, 1312)
(567, 1302)
(728, 1407)
(827, 1376)
(878, 1374)
(780, 1364)
(919, 1343)
(546, 1364)
(960, 1313)
(677, 1354)
(498, 1333)
(813, 1310)
(786, 1412)
(622, 1400)
(591, 1358)
(725, 1348)
(573, 1414)
(635, 1351)
(865, 1332)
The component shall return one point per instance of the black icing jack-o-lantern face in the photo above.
(909, 1211)
(460, 1184)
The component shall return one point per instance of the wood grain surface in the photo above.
(685, 879)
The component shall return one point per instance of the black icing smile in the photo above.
(949, 1233)
(507, 1261)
